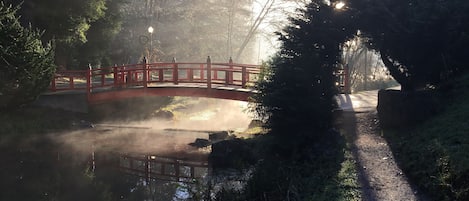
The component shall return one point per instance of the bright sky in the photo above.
(267, 42)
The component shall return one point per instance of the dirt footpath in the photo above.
(380, 177)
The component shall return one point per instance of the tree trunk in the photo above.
(261, 16)
(405, 81)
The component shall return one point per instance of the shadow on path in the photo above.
(348, 127)
(378, 173)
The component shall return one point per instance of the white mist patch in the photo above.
(163, 137)
(202, 116)
(134, 141)
(215, 114)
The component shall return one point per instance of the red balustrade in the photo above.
(154, 74)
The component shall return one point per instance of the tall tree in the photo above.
(99, 48)
(26, 65)
(420, 42)
(253, 29)
(365, 69)
(65, 21)
(186, 29)
(297, 99)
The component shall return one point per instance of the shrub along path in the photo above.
(380, 176)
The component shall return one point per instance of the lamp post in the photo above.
(339, 5)
(150, 30)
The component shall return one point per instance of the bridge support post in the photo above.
(145, 72)
(88, 82)
(229, 73)
(347, 89)
(209, 72)
(53, 84)
(114, 72)
(72, 82)
(175, 72)
(244, 76)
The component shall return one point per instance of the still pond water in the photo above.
(151, 160)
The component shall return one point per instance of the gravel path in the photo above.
(379, 174)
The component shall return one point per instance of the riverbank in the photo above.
(301, 169)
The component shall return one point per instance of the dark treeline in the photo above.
(422, 44)
(26, 65)
(108, 32)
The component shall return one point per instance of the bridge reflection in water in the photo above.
(150, 177)
(151, 167)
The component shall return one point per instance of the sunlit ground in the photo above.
(360, 101)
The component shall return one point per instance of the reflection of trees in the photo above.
(40, 169)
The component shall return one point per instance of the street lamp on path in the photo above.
(150, 30)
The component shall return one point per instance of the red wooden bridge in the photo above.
(216, 80)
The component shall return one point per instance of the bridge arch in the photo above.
(214, 80)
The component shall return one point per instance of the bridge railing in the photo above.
(69, 80)
(152, 74)
(163, 168)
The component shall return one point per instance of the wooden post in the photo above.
(116, 78)
(103, 79)
(190, 74)
(230, 72)
(243, 77)
(202, 72)
(209, 73)
(160, 75)
(145, 72)
(89, 85)
(346, 80)
(71, 82)
(124, 76)
(175, 72)
(53, 84)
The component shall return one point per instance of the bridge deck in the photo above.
(194, 90)
(216, 80)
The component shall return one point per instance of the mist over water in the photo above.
(162, 136)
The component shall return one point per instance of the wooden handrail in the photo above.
(145, 74)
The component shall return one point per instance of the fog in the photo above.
(162, 136)
(192, 30)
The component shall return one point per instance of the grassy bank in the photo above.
(319, 170)
(435, 154)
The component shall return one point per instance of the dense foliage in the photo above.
(297, 98)
(82, 29)
(421, 42)
(303, 155)
(108, 32)
(26, 66)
